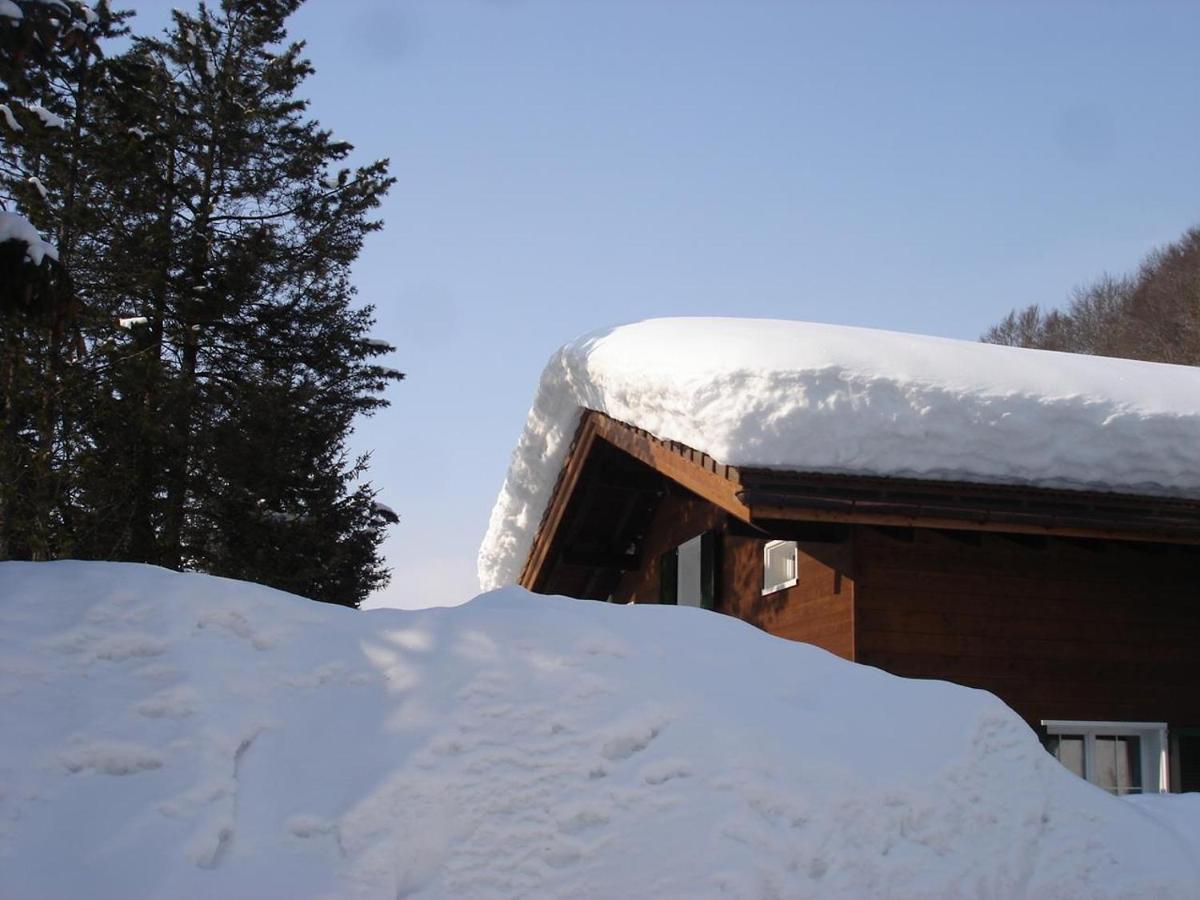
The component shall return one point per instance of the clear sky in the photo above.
(566, 165)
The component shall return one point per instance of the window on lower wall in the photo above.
(781, 565)
(1185, 759)
(1121, 757)
(688, 573)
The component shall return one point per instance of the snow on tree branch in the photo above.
(9, 119)
(15, 227)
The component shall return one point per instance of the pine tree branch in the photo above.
(267, 217)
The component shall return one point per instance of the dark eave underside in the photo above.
(772, 494)
(616, 475)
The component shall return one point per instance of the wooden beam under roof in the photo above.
(698, 472)
(967, 506)
(767, 497)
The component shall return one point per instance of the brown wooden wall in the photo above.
(1059, 629)
(680, 516)
(818, 609)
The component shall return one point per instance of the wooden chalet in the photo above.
(1079, 609)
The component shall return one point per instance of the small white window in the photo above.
(780, 565)
(1121, 757)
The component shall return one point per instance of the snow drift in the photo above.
(825, 398)
(182, 736)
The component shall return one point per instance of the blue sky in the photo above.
(565, 166)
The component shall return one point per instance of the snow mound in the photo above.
(182, 736)
(827, 398)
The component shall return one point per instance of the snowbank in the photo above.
(181, 736)
(825, 398)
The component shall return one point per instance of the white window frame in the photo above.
(783, 585)
(1153, 735)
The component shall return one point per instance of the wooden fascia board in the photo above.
(766, 512)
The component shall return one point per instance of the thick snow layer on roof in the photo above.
(827, 398)
(167, 735)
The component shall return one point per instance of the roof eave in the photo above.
(758, 496)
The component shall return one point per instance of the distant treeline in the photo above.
(1153, 314)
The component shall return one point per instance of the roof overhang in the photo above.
(765, 498)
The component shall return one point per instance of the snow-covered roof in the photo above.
(834, 399)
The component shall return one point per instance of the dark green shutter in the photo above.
(668, 577)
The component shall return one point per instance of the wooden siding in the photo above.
(680, 516)
(1058, 629)
(1092, 611)
(818, 609)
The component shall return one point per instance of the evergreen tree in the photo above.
(227, 357)
(252, 362)
(49, 56)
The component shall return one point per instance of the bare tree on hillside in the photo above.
(1152, 315)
